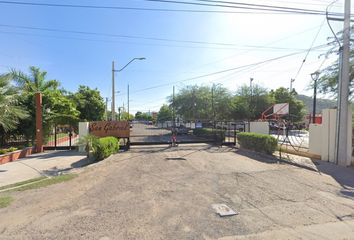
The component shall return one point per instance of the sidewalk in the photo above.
(44, 164)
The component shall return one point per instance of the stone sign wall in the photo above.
(110, 128)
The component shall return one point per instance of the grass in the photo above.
(5, 201)
(22, 183)
(39, 182)
(47, 182)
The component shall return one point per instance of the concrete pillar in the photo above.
(83, 131)
(39, 123)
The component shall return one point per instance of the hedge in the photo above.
(104, 147)
(257, 142)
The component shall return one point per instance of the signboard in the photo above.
(110, 128)
(198, 125)
(281, 108)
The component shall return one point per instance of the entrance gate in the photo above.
(188, 132)
(61, 137)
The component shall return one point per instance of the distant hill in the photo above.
(320, 103)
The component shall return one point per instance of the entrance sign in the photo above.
(110, 128)
(281, 109)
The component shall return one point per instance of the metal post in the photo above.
(212, 104)
(55, 137)
(128, 103)
(291, 84)
(173, 107)
(106, 109)
(314, 102)
(343, 84)
(113, 92)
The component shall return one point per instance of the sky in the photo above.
(180, 47)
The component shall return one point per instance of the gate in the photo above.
(61, 137)
(187, 132)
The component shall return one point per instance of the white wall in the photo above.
(315, 143)
(259, 127)
(83, 131)
(322, 137)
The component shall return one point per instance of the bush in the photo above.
(257, 142)
(217, 134)
(7, 150)
(105, 147)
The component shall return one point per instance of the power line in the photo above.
(247, 6)
(242, 47)
(19, 3)
(139, 37)
(309, 50)
(223, 71)
(305, 11)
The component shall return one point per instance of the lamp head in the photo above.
(315, 75)
(142, 58)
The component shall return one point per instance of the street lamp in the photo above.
(314, 77)
(113, 92)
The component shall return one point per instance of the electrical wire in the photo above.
(309, 50)
(19, 3)
(304, 11)
(139, 37)
(223, 71)
(247, 6)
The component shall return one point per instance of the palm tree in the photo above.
(35, 81)
(29, 84)
(11, 113)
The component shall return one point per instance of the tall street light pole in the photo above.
(113, 82)
(314, 77)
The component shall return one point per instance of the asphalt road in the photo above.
(150, 133)
(167, 193)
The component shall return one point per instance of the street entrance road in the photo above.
(168, 192)
(150, 133)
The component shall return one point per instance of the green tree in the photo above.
(29, 84)
(202, 102)
(296, 107)
(250, 103)
(165, 114)
(89, 103)
(58, 108)
(328, 81)
(143, 116)
(11, 112)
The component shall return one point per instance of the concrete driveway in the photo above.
(43, 164)
(167, 193)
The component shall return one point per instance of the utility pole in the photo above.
(106, 108)
(113, 93)
(314, 77)
(173, 112)
(212, 104)
(291, 84)
(343, 87)
(128, 103)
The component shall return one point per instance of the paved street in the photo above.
(150, 133)
(166, 193)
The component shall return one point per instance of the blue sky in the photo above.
(79, 59)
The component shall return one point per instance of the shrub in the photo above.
(217, 134)
(257, 142)
(105, 147)
(7, 150)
